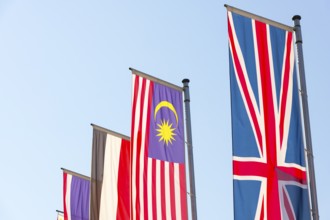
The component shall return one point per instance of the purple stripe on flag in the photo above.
(79, 198)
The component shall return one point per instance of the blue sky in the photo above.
(64, 64)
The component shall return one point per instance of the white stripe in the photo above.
(249, 159)
(109, 192)
(250, 177)
(177, 191)
(168, 198)
(158, 191)
(68, 195)
(143, 137)
(134, 144)
(288, 109)
(294, 183)
(149, 182)
(133, 88)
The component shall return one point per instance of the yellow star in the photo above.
(165, 132)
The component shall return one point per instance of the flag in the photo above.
(60, 216)
(75, 196)
(268, 151)
(158, 153)
(110, 175)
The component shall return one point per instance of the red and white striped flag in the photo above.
(158, 153)
(110, 176)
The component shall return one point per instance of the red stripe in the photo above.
(285, 85)
(136, 89)
(162, 189)
(142, 135)
(292, 174)
(153, 186)
(123, 210)
(250, 168)
(172, 191)
(273, 203)
(244, 86)
(137, 169)
(64, 195)
(183, 192)
(145, 187)
(139, 146)
(145, 176)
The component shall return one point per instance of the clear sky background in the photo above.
(64, 64)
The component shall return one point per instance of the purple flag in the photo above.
(75, 196)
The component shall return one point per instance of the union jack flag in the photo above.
(268, 151)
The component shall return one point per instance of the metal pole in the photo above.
(190, 150)
(308, 136)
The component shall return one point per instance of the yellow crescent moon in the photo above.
(167, 105)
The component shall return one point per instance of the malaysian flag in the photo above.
(158, 153)
(268, 151)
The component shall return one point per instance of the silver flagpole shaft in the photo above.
(308, 136)
(190, 150)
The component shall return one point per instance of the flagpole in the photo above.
(308, 136)
(75, 174)
(190, 150)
